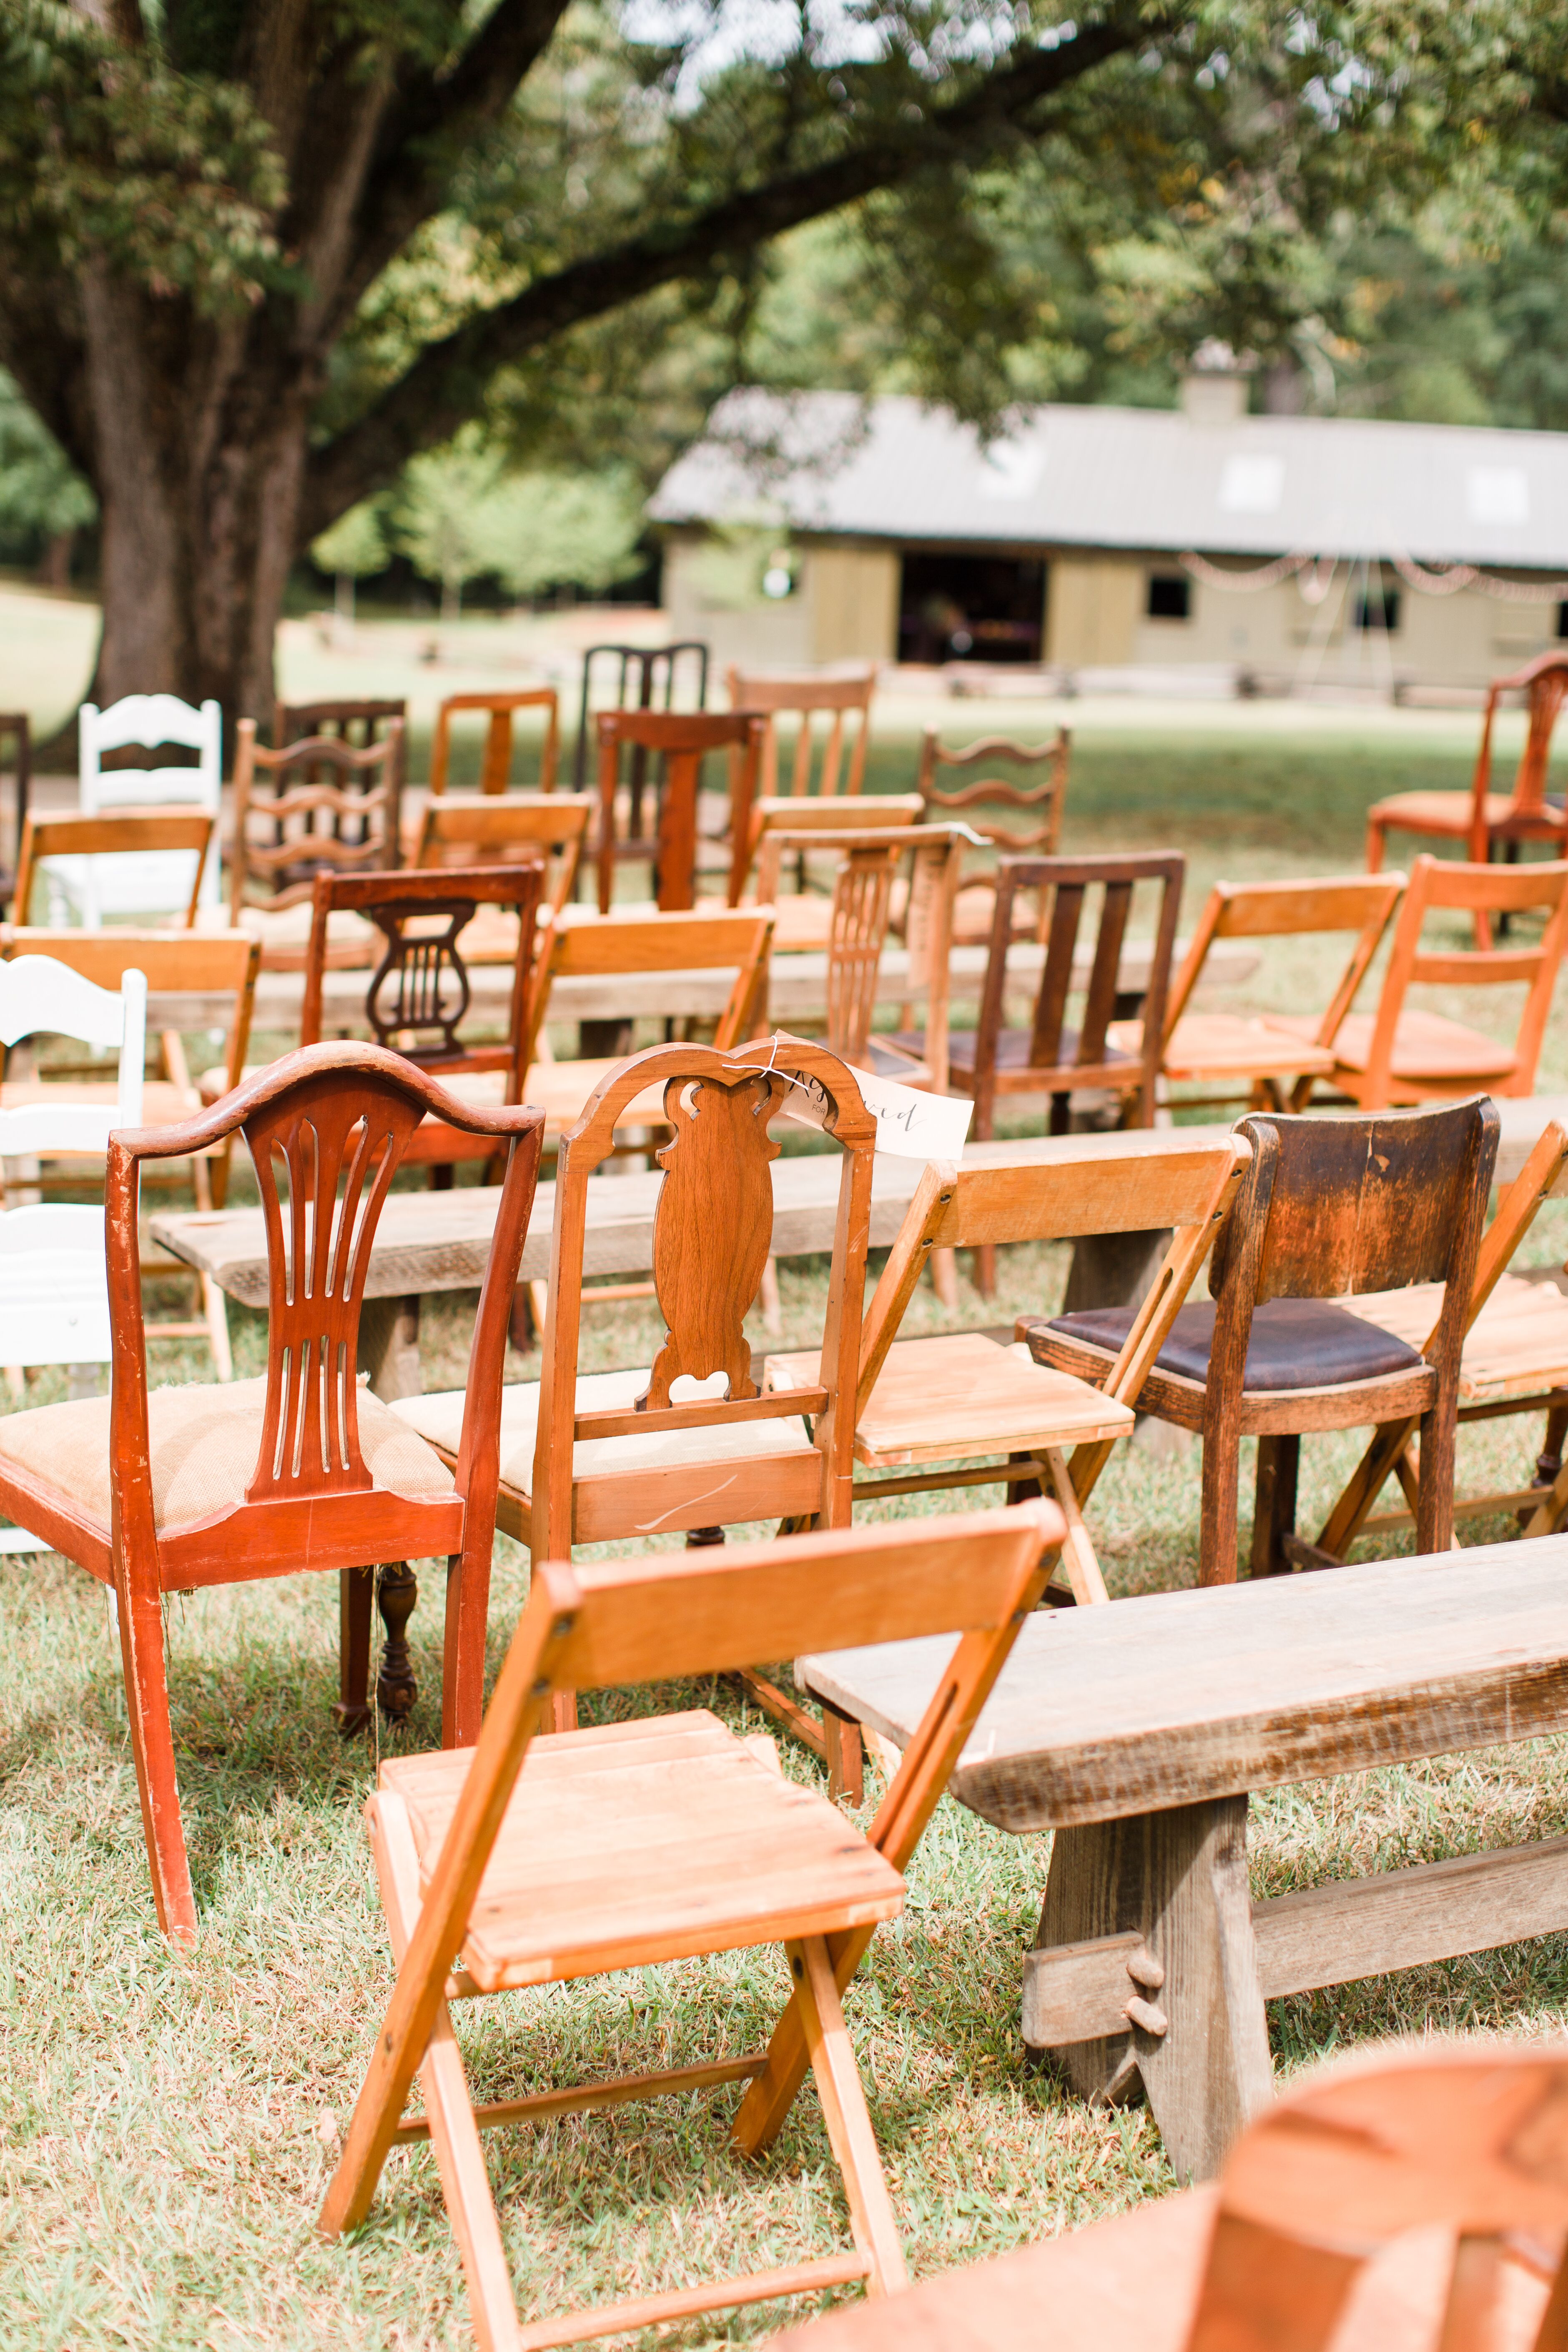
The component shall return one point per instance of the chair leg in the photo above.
(944, 1276)
(140, 1614)
(465, 2185)
(1376, 841)
(356, 1596)
(844, 1756)
(396, 1597)
(1217, 1525)
(1435, 1500)
(1274, 1509)
(850, 2131)
(463, 1655)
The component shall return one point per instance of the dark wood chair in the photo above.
(419, 996)
(669, 1838)
(1329, 1208)
(649, 677)
(162, 1492)
(1427, 2190)
(1019, 817)
(683, 741)
(1484, 820)
(291, 824)
(360, 725)
(16, 728)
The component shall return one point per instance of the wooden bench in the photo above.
(1135, 1732)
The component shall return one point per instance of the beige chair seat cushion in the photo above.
(1440, 813)
(1233, 1046)
(1426, 1046)
(203, 1441)
(963, 1397)
(438, 1418)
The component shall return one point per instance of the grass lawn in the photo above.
(168, 2122)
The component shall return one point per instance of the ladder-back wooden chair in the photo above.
(291, 822)
(1330, 1207)
(360, 725)
(1413, 2199)
(683, 740)
(419, 999)
(664, 1838)
(465, 829)
(62, 850)
(496, 754)
(1247, 1057)
(803, 912)
(164, 1491)
(1017, 816)
(198, 982)
(963, 1398)
(1480, 818)
(1406, 1054)
(594, 1457)
(807, 695)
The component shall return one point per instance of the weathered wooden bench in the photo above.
(1135, 1732)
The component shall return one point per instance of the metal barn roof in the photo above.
(1134, 477)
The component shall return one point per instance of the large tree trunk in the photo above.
(201, 436)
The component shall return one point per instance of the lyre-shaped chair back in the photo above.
(290, 823)
(496, 756)
(806, 696)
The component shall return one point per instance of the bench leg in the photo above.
(1179, 1879)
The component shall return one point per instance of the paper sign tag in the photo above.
(909, 1124)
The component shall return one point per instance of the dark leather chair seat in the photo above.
(1296, 1343)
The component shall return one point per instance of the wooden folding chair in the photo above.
(161, 1492)
(1331, 1207)
(1417, 2200)
(1404, 1054)
(467, 829)
(596, 1457)
(1250, 1057)
(495, 760)
(196, 981)
(960, 1400)
(1014, 818)
(666, 1838)
(804, 696)
(418, 997)
(130, 831)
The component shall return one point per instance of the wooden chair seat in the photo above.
(1517, 1346)
(597, 1867)
(974, 905)
(1427, 1046)
(1295, 1343)
(204, 1440)
(1448, 814)
(1013, 1053)
(939, 1400)
(1223, 1046)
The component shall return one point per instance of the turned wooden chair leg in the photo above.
(140, 1614)
(356, 1599)
(396, 1592)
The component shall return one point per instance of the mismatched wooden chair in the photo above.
(418, 998)
(360, 725)
(161, 1492)
(649, 677)
(467, 829)
(291, 824)
(145, 885)
(16, 728)
(499, 712)
(63, 849)
(668, 1838)
(1331, 1207)
(961, 1399)
(683, 741)
(807, 695)
(1249, 1057)
(599, 1457)
(1416, 2200)
(1404, 1054)
(803, 913)
(197, 981)
(1017, 818)
(1480, 818)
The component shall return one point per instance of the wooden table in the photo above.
(1136, 1731)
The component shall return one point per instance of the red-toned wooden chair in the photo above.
(1417, 2201)
(1481, 818)
(163, 1492)
(683, 740)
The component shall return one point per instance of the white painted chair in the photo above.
(86, 889)
(54, 1278)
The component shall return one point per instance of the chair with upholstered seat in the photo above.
(668, 1838)
(163, 1492)
(1331, 1207)
(1407, 1053)
(596, 1458)
(1480, 818)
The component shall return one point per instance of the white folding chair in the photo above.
(86, 889)
(54, 1279)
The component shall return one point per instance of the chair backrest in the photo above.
(1544, 683)
(327, 1128)
(132, 831)
(1035, 807)
(290, 826)
(475, 829)
(40, 996)
(147, 720)
(419, 994)
(1481, 891)
(683, 740)
(1272, 910)
(735, 938)
(649, 677)
(711, 1236)
(495, 760)
(1066, 882)
(805, 694)
(357, 724)
(848, 812)
(194, 979)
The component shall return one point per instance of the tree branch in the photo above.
(445, 385)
